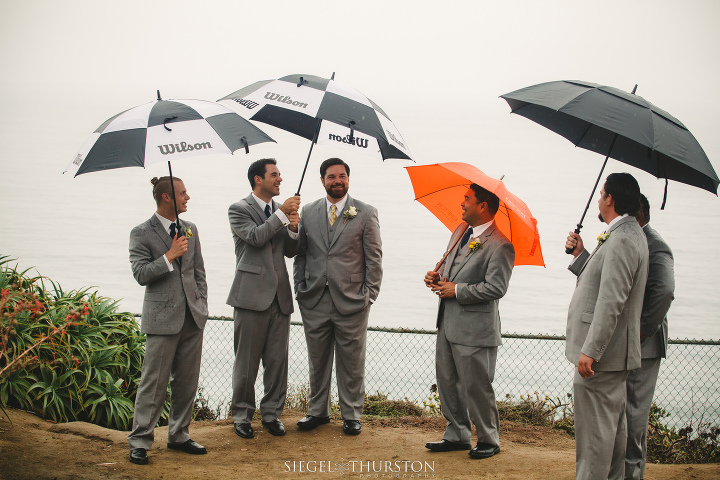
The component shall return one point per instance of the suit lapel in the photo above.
(339, 229)
(608, 231)
(257, 212)
(160, 231)
(322, 222)
(482, 238)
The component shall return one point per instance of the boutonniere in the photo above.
(350, 213)
(473, 245)
(602, 238)
(188, 232)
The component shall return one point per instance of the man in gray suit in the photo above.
(264, 234)
(603, 328)
(659, 294)
(337, 272)
(167, 260)
(470, 284)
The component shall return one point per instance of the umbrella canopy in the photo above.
(164, 130)
(442, 186)
(620, 125)
(300, 103)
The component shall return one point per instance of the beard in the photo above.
(336, 192)
(600, 218)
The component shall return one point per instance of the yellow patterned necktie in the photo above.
(333, 214)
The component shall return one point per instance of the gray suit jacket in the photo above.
(659, 294)
(167, 293)
(350, 264)
(604, 314)
(482, 278)
(261, 245)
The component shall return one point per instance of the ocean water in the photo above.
(75, 230)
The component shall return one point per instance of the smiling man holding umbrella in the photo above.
(474, 277)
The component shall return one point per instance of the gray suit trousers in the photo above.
(640, 390)
(465, 375)
(260, 336)
(328, 333)
(600, 425)
(168, 357)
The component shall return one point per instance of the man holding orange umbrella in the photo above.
(470, 283)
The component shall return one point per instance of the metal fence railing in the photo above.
(401, 364)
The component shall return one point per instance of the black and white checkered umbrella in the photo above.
(300, 103)
(164, 130)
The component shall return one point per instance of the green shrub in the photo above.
(381, 406)
(67, 355)
(666, 445)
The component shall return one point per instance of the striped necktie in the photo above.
(333, 214)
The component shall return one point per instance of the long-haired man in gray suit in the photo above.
(659, 294)
(603, 328)
(264, 234)
(470, 284)
(337, 273)
(167, 260)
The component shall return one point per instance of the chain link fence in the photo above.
(401, 364)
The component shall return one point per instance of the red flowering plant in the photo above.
(66, 355)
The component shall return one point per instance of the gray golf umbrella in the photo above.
(165, 130)
(619, 125)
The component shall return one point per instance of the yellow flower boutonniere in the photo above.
(349, 213)
(602, 238)
(474, 245)
(188, 232)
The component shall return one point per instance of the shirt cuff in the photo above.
(283, 218)
(293, 235)
(169, 265)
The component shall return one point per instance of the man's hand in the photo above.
(294, 219)
(585, 366)
(431, 278)
(291, 205)
(177, 249)
(444, 289)
(574, 241)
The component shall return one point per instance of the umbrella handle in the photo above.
(577, 230)
(450, 250)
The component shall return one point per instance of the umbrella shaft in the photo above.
(314, 141)
(172, 188)
(579, 225)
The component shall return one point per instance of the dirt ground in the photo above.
(31, 448)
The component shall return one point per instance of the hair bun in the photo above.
(154, 180)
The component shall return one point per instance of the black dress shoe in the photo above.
(189, 446)
(309, 422)
(352, 427)
(484, 450)
(275, 427)
(447, 446)
(244, 430)
(139, 456)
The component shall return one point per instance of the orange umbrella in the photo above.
(442, 186)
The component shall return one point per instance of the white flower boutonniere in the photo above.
(350, 213)
(602, 238)
(188, 232)
(474, 245)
